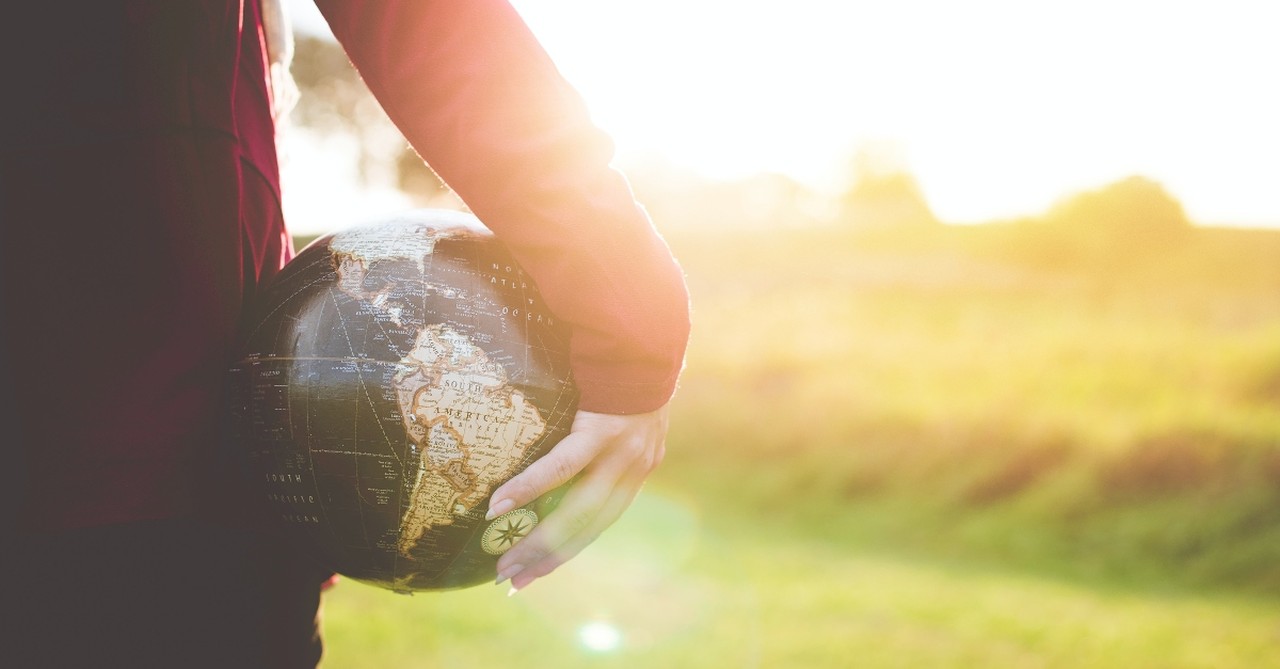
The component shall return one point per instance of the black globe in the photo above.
(394, 375)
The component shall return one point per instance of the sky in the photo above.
(999, 107)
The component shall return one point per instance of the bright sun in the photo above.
(999, 107)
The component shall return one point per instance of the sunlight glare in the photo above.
(1002, 106)
(600, 637)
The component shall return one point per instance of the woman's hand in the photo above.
(614, 454)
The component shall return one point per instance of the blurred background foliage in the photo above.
(1044, 442)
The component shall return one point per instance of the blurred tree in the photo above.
(335, 101)
(1113, 228)
(883, 194)
(1132, 212)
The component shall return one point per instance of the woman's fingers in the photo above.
(615, 453)
(565, 543)
(557, 467)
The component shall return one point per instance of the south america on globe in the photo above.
(393, 376)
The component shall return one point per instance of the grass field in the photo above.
(963, 448)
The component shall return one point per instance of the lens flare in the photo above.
(600, 637)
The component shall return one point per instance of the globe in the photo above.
(395, 374)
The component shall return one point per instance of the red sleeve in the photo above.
(482, 103)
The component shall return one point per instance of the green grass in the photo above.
(959, 449)
(684, 589)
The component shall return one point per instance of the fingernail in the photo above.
(508, 573)
(498, 508)
(513, 591)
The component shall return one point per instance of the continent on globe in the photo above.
(470, 428)
(416, 241)
(354, 251)
(392, 376)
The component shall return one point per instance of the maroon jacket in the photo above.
(139, 196)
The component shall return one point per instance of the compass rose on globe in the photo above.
(507, 529)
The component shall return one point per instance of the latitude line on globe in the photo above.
(364, 387)
(355, 436)
(324, 509)
(291, 358)
(322, 278)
